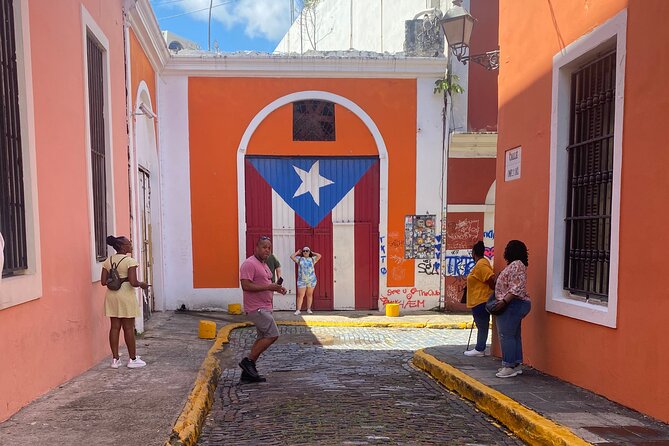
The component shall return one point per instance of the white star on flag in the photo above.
(312, 182)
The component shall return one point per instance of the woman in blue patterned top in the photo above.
(306, 276)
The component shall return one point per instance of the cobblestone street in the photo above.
(343, 386)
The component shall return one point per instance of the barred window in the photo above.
(96, 106)
(12, 197)
(590, 178)
(313, 120)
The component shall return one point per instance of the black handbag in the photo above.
(463, 299)
(495, 306)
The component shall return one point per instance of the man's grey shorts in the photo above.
(265, 324)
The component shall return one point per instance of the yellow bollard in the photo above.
(234, 308)
(392, 310)
(207, 330)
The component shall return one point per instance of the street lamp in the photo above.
(457, 24)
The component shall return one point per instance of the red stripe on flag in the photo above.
(367, 239)
(258, 196)
(319, 239)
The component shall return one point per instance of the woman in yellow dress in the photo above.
(121, 305)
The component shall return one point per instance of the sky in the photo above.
(237, 25)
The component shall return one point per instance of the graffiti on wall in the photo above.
(489, 240)
(383, 268)
(408, 297)
(428, 267)
(462, 234)
(459, 262)
(454, 289)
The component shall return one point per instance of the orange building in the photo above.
(581, 179)
(64, 187)
(74, 92)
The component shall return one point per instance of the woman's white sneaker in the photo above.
(474, 352)
(116, 363)
(507, 372)
(309, 311)
(136, 363)
(297, 313)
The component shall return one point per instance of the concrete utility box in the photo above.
(423, 38)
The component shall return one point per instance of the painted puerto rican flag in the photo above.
(330, 204)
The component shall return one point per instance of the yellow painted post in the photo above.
(207, 330)
(392, 310)
(234, 308)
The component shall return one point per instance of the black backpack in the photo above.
(114, 281)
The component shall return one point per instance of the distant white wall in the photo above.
(368, 25)
(371, 25)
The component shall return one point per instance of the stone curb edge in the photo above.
(527, 424)
(186, 429)
(450, 325)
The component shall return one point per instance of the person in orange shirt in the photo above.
(480, 284)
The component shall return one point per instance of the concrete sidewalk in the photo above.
(106, 406)
(591, 417)
(123, 406)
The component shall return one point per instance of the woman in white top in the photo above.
(121, 305)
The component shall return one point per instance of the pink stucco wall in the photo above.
(49, 340)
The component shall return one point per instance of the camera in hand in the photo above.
(280, 281)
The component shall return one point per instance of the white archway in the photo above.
(146, 158)
(324, 96)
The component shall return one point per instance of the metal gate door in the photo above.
(146, 256)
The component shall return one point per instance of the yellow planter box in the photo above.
(207, 330)
(234, 308)
(392, 310)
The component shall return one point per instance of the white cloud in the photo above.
(269, 19)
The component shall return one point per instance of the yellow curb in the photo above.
(449, 325)
(186, 430)
(525, 423)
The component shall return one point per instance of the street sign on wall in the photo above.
(512, 159)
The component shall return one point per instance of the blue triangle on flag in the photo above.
(313, 186)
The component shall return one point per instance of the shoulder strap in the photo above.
(115, 265)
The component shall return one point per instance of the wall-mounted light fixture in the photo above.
(457, 24)
(145, 110)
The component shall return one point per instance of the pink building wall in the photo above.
(64, 332)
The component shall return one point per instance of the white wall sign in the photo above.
(512, 164)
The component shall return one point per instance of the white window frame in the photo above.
(611, 34)
(89, 26)
(26, 285)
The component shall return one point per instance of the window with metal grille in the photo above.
(96, 107)
(12, 199)
(590, 178)
(313, 120)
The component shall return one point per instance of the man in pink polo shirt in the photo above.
(256, 280)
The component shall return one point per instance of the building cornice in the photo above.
(272, 65)
(144, 24)
(473, 145)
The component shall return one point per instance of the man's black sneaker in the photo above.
(246, 378)
(249, 368)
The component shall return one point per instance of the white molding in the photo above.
(473, 145)
(269, 65)
(28, 286)
(456, 208)
(144, 24)
(325, 96)
(88, 24)
(557, 299)
(132, 177)
(149, 160)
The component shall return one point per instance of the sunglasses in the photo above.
(264, 237)
(305, 250)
